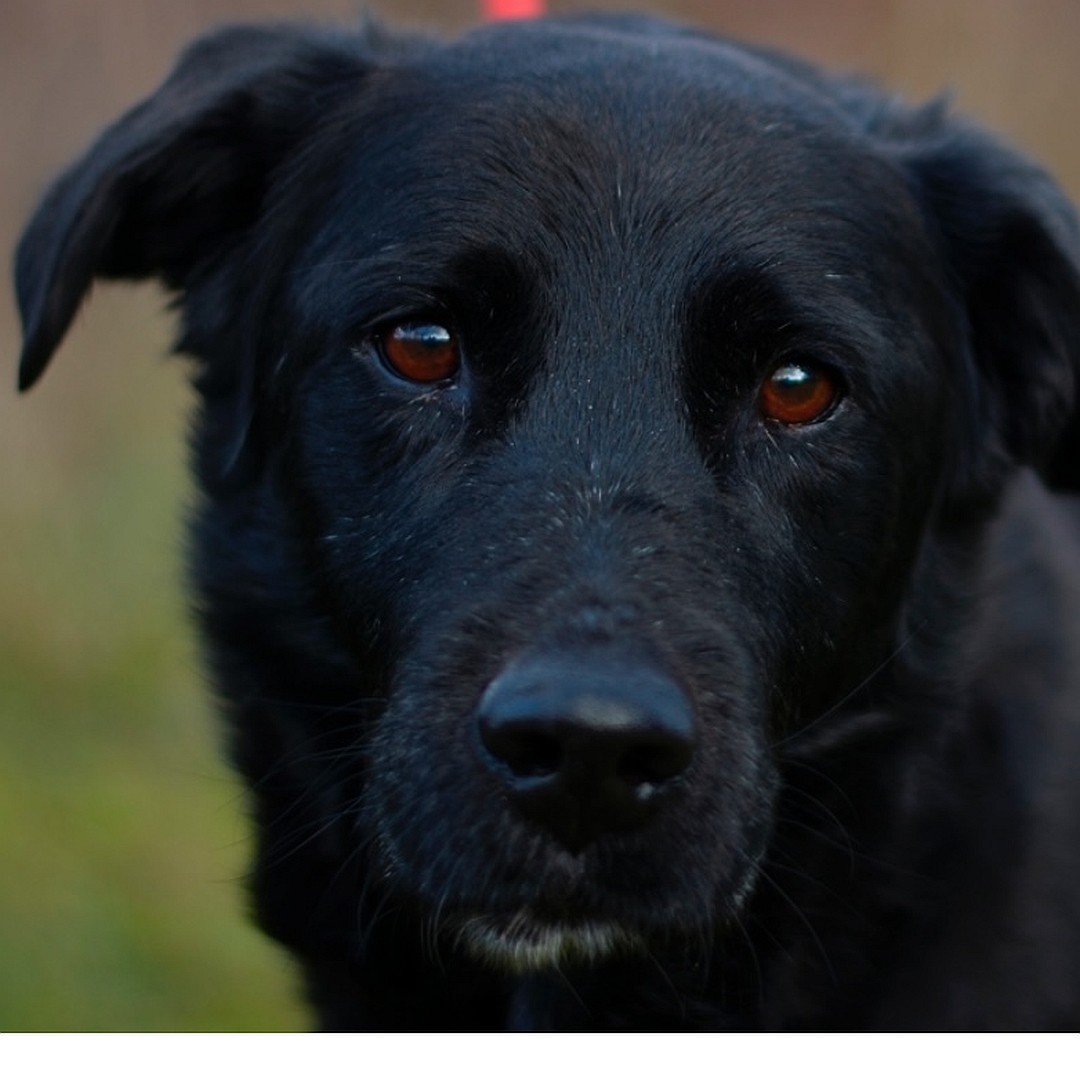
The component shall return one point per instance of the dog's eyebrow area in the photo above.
(697, 241)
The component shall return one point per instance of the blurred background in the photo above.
(122, 835)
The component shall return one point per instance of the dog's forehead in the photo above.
(639, 60)
(664, 106)
(665, 155)
(565, 122)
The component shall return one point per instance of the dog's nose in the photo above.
(586, 743)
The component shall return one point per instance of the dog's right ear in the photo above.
(179, 178)
(1010, 241)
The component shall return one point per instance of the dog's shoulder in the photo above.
(1011, 943)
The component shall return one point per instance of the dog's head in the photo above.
(600, 403)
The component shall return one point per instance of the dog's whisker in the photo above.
(806, 735)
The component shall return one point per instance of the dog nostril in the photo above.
(527, 754)
(653, 763)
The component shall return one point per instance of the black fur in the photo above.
(869, 620)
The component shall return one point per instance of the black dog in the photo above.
(625, 554)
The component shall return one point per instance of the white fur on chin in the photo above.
(522, 943)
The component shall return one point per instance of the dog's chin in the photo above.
(523, 943)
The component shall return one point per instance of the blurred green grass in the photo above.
(123, 841)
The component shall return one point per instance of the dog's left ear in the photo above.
(1012, 245)
(175, 183)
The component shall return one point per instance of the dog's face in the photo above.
(585, 406)
(592, 531)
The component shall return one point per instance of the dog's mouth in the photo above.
(527, 941)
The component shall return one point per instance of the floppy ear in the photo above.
(1010, 239)
(178, 179)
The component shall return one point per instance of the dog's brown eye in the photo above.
(798, 394)
(421, 352)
